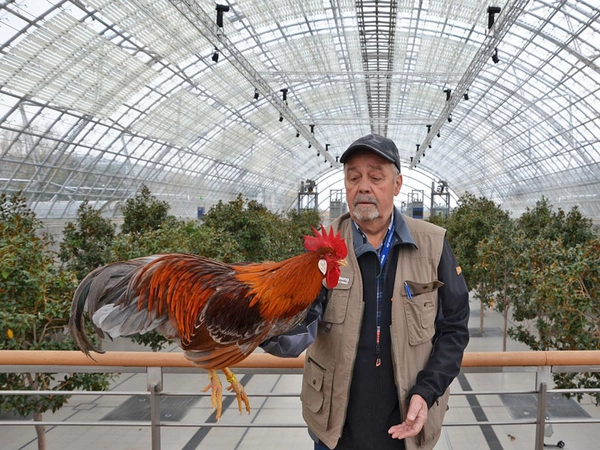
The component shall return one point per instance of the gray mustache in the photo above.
(365, 199)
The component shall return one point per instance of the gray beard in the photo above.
(366, 213)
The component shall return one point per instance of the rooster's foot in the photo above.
(237, 387)
(216, 396)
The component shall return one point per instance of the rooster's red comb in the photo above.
(325, 240)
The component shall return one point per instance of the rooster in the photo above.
(218, 313)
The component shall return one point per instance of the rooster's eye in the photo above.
(330, 255)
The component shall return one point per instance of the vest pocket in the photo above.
(421, 310)
(337, 304)
(316, 393)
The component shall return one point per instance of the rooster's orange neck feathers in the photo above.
(283, 288)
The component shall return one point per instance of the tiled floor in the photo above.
(286, 410)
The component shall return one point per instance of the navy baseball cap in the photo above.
(379, 145)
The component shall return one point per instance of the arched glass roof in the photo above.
(98, 97)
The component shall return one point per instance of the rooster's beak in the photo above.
(342, 262)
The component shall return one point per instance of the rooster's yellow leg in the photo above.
(237, 387)
(216, 396)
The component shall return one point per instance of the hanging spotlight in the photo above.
(215, 55)
(466, 95)
(325, 160)
(309, 145)
(450, 118)
(326, 147)
(492, 11)
(318, 153)
(284, 92)
(297, 133)
(220, 10)
(312, 129)
(337, 159)
(428, 129)
(495, 56)
(448, 93)
(418, 145)
(438, 134)
(255, 94)
(280, 117)
(411, 159)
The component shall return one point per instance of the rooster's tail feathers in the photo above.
(103, 290)
(77, 319)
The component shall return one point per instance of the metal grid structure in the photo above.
(98, 97)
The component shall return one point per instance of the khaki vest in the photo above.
(330, 359)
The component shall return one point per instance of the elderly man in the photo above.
(389, 339)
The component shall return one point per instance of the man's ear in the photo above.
(398, 185)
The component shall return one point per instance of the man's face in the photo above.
(371, 185)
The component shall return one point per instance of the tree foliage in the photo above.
(86, 242)
(177, 236)
(144, 212)
(35, 298)
(545, 267)
(261, 234)
(471, 222)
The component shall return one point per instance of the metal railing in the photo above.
(155, 365)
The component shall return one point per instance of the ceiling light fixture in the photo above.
(255, 94)
(448, 93)
(284, 92)
(492, 11)
(220, 10)
(215, 55)
(495, 56)
(466, 95)
(450, 118)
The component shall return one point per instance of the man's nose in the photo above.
(364, 186)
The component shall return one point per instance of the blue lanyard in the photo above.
(383, 255)
(387, 244)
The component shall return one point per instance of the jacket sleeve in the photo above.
(452, 331)
(292, 343)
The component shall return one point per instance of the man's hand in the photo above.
(415, 419)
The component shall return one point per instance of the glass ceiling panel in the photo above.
(98, 97)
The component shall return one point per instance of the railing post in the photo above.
(155, 385)
(541, 417)
(543, 375)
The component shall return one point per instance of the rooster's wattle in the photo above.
(219, 313)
